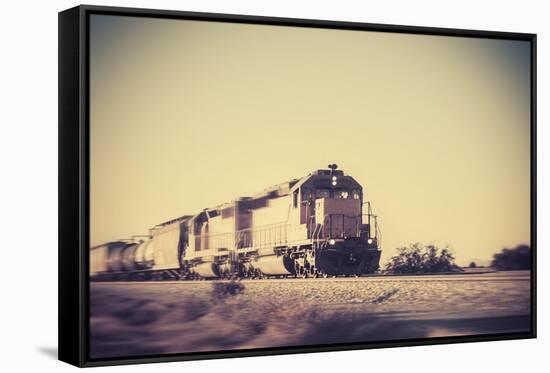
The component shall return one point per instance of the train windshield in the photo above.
(336, 194)
(322, 193)
(341, 194)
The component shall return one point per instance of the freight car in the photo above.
(318, 225)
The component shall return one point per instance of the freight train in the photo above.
(318, 225)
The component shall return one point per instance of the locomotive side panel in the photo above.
(269, 226)
(211, 230)
(275, 211)
(221, 229)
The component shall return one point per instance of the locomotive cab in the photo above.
(331, 205)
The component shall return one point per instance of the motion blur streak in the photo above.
(169, 317)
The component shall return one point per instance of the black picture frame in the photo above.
(74, 177)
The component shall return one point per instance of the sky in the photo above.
(186, 115)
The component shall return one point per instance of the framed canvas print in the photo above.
(237, 186)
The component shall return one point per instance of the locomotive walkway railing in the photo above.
(344, 226)
(267, 236)
(334, 226)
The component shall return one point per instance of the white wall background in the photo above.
(28, 184)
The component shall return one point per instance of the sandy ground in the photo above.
(169, 317)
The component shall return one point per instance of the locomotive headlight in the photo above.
(334, 178)
(369, 241)
(331, 242)
(334, 183)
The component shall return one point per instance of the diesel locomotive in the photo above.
(318, 225)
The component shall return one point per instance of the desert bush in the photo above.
(417, 258)
(224, 289)
(518, 258)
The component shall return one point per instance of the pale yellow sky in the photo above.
(186, 115)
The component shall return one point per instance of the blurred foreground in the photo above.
(136, 318)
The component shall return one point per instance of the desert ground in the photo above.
(137, 318)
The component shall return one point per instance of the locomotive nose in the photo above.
(351, 258)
